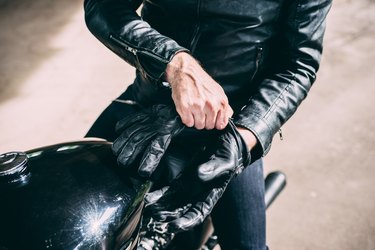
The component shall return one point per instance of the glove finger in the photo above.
(169, 201)
(222, 163)
(215, 168)
(198, 212)
(133, 149)
(130, 120)
(166, 215)
(187, 221)
(168, 198)
(153, 155)
(153, 197)
(127, 135)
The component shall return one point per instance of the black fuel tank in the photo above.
(68, 196)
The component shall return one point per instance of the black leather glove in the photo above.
(191, 197)
(146, 135)
(229, 155)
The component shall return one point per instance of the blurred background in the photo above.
(56, 78)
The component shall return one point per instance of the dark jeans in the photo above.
(239, 217)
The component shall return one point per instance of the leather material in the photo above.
(116, 24)
(183, 205)
(265, 54)
(191, 197)
(146, 135)
(227, 156)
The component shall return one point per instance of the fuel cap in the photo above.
(13, 168)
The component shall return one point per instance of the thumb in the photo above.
(215, 168)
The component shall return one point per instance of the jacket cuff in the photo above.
(155, 68)
(260, 129)
(150, 56)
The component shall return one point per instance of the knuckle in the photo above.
(209, 126)
(211, 107)
(198, 105)
(188, 122)
(199, 125)
(219, 126)
(224, 102)
(184, 107)
(180, 108)
(230, 113)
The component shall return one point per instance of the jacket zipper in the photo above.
(281, 135)
(124, 44)
(257, 64)
(134, 51)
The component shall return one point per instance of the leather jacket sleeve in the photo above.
(117, 25)
(280, 91)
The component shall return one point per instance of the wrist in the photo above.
(180, 64)
(249, 138)
(175, 65)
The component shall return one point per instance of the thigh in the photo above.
(105, 124)
(239, 217)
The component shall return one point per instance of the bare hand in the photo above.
(200, 100)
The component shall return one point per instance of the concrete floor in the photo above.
(55, 78)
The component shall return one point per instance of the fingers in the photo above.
(164, 201)
(155, 196)
(153, 155)
(187, 221)
(181, 213)
(205, 115)
(210, 119)
(165, 215)
(129, 153)
(130, 120)
(197, 213)
(223, 162)
(129, 134)
(223, 117)
(198, 98)
(130, 145)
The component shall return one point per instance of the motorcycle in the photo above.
(74, 196)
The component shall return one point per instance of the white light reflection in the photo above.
(65, 148)
(95, 225)
(34, 154)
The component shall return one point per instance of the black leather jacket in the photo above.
(264, 53)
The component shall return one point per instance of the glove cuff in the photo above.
(243, 149)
